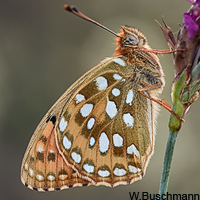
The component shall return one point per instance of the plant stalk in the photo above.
(167, 162)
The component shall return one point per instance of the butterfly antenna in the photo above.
(75, 11)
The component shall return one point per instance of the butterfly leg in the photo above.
(166, 51)
(160, 102)
(156, 51)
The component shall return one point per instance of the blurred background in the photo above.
(44, 49)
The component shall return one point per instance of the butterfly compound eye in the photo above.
(130, 40)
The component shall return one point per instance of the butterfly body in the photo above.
(101, 130)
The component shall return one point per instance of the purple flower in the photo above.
(190, 24)
(191, 18)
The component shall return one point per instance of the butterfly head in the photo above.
(130, 39)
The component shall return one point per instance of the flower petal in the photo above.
(190, 24)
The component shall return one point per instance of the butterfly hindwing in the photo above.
(98, 133)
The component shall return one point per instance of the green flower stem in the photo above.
(167, 162)
(174, 127)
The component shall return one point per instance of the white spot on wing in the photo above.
(26, 166)
(40, 177)
(103, 143)
(132, 169)
(90, 123)
(76, 157)
(88, 168)
(31, 173)
(111, 109)
(62, 124)
(115, 92)
(119, 172)
(51, 178)
(92, 141)
(40, 149)
(117, 140)
(66, 143)
(132, 149)
(117, 77)
(86, 110)
(79, 98)
(102, 83)
(129, 97)
(103, 173)
(62, 177)
(119, 61)
(128, 120)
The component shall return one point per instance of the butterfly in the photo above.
(101, 131)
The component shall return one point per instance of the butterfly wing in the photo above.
(101, 129)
